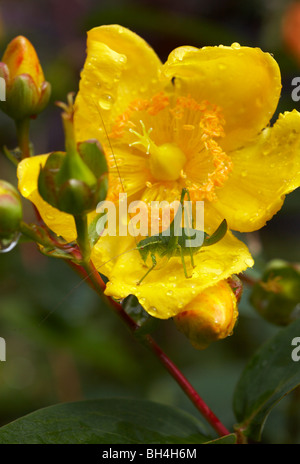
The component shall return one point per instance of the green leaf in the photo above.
(269, 376)
(105, 421)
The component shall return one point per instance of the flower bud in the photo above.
(27, 92)
(76, 181)
(276, 297)
(10, 210)
(211, 316)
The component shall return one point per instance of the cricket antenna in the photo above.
(113, 154)
(111, 148)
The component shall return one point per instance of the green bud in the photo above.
(10, 210)
(76, 181)
(75, 197)
(276, 297)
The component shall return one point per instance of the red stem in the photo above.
(188, 389)
(95, 280)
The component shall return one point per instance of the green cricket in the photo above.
(170, 243)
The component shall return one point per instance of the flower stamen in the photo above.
(144, 138)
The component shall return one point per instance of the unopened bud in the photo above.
(211, 316)
(76, 181)
(27, 92)
(10, 210)
(276, 297)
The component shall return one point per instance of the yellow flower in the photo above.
(199, 121)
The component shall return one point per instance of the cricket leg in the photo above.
(183, 264)
(189, 230)
(149, 270)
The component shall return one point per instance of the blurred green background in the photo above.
(62, 343)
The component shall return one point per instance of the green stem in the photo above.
(70, 142)
(24, 144)
(83, 236)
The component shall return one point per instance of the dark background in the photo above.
(62, 343)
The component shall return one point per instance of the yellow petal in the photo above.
(120, 67)
(61, 223)
(263, 173)
(166, 291)
(244, 82)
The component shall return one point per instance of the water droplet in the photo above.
(169, 293)
(123, 59)
(152, 309)
(235, 45)
(106, 101)
(7, 245)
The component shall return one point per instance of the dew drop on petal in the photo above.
(106, 101)
(235, 45)
(123, 59)
(152, 309)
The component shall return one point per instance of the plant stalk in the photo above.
(91, 274)
(24, 144)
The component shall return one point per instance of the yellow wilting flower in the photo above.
(211, 316)
(198, 121)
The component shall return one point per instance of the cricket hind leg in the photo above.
(183, 264)
(191, 253)
(154, 263)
